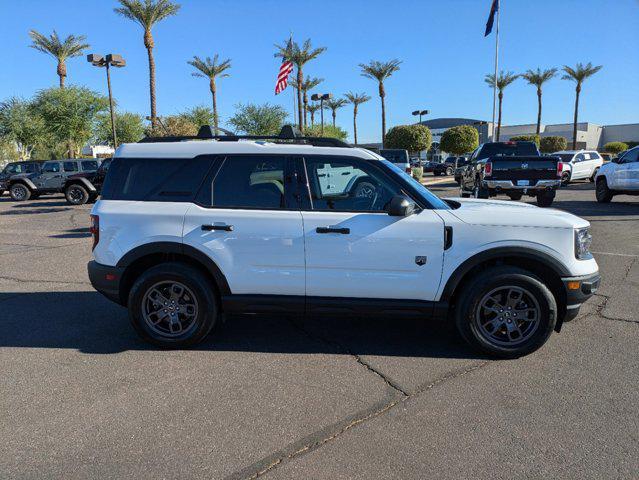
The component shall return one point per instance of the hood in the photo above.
(515, 214)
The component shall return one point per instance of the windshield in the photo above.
(426, 194)
(508, 149)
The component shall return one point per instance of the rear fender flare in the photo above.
(81, 181)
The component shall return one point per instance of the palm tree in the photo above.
(70, 47)
(578, 75)
(380, 71)
(147, 13)
(211, 69)
(356, 99)
(537, 79)
(299, 56)
(313, 108)
(334, 105)
(503, 80)
(307, 85)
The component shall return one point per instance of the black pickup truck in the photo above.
(511, 168)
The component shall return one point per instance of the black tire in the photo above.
(565, 179)
(473, 321)
(198, 289)
(462, 193)
(436, 173)
(515, 196)
(480, 192)
(76, 194)
(1, 193)
(594, 174)
(20, 192)
(545, 199)
(602, 192)
(449, 171)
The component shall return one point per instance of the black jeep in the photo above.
(86, 186)
(16, 168)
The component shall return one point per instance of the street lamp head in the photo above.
(115, 60)
(321, 96)
(315, 97)
(95, 59)
(416, 112)
(424, 112)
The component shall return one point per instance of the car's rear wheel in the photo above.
(173, 305)
(545, 199)
(602, 192)
(449, 171)
(20, 192)
(594, 174)
(506, 312)
(436, 173)
(76, 194)
(480, 192)
(515, 196)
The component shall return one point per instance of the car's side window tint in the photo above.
(70, 167)
(348, 185)
(51, 167)
(248, 182)
(89, 165)
(631, 156)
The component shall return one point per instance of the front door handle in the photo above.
(226, 228)
(343, 231)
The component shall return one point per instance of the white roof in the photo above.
(189, 149)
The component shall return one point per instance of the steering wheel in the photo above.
(366, 193)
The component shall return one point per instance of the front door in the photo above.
(354, 249)
(249, 223)
(51, 176)
(626, 174)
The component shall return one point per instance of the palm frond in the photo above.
(379, 71)
(71, 46)
(580, 72)
(147, 12)
(356, 98)
(210, 68)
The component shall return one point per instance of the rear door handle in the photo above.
(226, 228)
(343, 231)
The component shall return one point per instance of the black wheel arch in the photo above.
(22, 181)
(547, 268)
(141, 258)
(80, 181)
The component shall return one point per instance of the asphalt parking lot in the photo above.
(336, 398)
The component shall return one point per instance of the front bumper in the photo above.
(106, 280)
(509, 185)
(578, 290)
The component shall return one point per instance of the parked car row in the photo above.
(80, 179)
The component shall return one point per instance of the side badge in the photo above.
(421, 260)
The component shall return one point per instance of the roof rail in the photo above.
(288, 134)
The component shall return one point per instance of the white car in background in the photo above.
(579, 165)
(621, 176)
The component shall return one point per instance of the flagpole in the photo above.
(496, 67)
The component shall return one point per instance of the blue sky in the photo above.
(441, 44)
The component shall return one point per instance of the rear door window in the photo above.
(89, 165)
(70, 166)
(51, 167)
(155, 179)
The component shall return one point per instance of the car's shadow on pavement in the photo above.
(87, 322)
(39, 203)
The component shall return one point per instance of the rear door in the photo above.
(247, 220)
(354, 249)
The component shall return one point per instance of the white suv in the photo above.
(621, 176)
(190, 229)
(579, 164)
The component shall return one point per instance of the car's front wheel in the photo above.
(20, 192)
(76, 194)
(506, 312)
(602, 192)
(173, 305)
(545, 199)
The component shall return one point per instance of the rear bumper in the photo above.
(509, 185)
(578, 290)
(106, 280)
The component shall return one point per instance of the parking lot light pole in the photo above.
(321, 98)
(110, 60)
(420, 113)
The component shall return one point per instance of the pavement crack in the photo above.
(23, 280)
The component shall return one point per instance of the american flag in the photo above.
(282, 78)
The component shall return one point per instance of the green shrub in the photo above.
(329, 131)
(414, 138)
(552, 144)
(526, 138)
(418, 173)
(615, 147)
(459, 140)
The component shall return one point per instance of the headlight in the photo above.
(583, 240)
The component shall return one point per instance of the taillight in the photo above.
(95, 230)
(409, 169)
(560, 168)
(488, 169)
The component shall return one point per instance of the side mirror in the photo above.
(401, 206)
(616, 160)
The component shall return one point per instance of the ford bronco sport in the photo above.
(190, 228)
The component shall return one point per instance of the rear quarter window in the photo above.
(155, 179)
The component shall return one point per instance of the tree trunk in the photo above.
(382, 94)
(62, 72)
(574, 127)
(214, 95)
(355, 124)
(305, 108)
(538, 111)
(300, 79)
(501, 97)
(334, 116)
(312, 118)
(149, 44)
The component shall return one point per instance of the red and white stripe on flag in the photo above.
(282, 78)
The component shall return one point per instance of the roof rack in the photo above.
(288, 134)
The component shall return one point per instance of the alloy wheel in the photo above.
(507, 316)
(170, 309)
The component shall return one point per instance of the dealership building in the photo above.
(590, 136)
